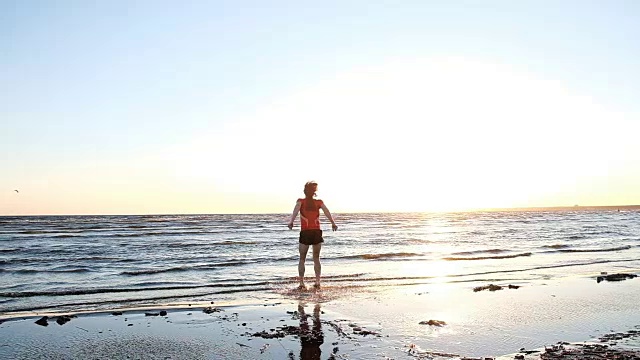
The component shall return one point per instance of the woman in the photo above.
(310, 233)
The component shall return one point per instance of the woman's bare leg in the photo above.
(316, 262)
(303, 256)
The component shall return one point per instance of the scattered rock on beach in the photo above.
(416, 351)
(161, 313)
(116, 313)
(211, 310)
(43, 321)
(433, 323)
(528, 352)
(366, 332)
(615, 277)
(63, 319)
(490, 287)
(357, 330)
(266, 335)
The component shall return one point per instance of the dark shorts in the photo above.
(311, 237)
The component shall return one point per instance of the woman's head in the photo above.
(310, 189)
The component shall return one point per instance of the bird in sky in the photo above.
(17, 191)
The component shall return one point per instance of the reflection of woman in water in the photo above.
(310, 339)
(310, 233)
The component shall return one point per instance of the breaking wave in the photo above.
(595, 250)
(487, 257)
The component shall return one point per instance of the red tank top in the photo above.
(310, 218)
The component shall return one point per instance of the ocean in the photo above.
(95, 263)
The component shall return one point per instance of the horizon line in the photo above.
(523, 209)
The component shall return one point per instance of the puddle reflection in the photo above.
(311, 335)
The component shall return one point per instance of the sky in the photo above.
(183, 107)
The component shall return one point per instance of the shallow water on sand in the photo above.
(485, 323)
(377, 323)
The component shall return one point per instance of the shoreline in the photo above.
(632, 207)
(360, 323)
(275, 333)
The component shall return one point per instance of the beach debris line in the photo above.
(528, 352)
(619, 336)
(336, 327)
(437, 323)
(606, 349)
(566, 350)
(615, 277)
(310, 334)
(492, 287)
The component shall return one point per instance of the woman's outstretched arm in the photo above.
(327, 213)
(296, 210)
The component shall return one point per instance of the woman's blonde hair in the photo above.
(310, 189)
(309, 192)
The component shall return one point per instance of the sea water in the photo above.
(74, 263)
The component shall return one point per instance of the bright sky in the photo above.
(147, 107)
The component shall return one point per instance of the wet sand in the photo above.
(572, 318)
